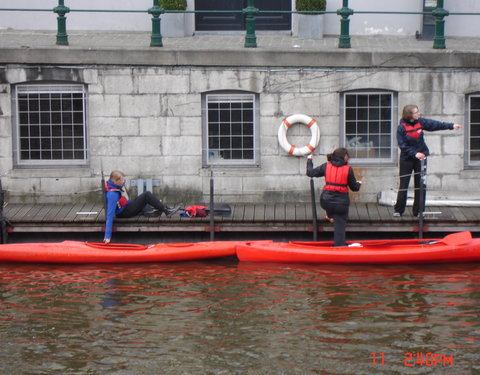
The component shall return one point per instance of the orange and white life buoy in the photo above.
(298, 119)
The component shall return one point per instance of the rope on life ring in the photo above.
(299, 119)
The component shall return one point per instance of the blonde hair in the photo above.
(116, 175)
(408, 111)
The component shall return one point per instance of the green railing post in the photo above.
(61, 10)
(156, 38)
(344, 12)
(439, 13)
(250, 12)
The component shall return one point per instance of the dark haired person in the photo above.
(339, 177)
(413, 149)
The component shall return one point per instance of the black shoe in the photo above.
(169, 211)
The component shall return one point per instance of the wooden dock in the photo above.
(266, 217)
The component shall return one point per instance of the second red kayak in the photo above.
(456, 247)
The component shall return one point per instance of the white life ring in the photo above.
(295, 119)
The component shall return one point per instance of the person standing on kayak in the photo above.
(119, 204)
(339, 177)
(413, 149)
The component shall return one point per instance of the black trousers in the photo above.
(137, 205)
(405, 172)
(339, 214)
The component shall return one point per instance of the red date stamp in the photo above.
(416, 359)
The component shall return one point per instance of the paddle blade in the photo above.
(456, 239)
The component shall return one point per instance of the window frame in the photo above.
(229, 95)
(49, 88)
(468, 132)
(385, 161)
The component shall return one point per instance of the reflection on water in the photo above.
(224, 317)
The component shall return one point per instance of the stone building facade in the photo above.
(150, 123)
(207, 107)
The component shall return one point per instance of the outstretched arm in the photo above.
(434, 125)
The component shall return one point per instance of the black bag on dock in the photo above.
(221, 209)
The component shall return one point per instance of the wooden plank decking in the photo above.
(264, 217)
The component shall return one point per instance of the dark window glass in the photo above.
(230, 124)
(368, 125)
(45, 121)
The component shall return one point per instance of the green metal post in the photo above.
(439, 13)
(344, 12)
(156, 38)
(212, 208)
(250, 12)
(61, 10)
(3, 222)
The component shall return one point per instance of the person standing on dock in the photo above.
(339, 177)
(118, 203)
(413, 150)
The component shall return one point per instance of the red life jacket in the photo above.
(196, 211)
(122, 202)
(336, 178)
(413, 131)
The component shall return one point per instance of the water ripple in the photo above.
(224, 317)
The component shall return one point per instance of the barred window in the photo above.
(50, 125)
(369, 127)
(474, 130)
(230, 129)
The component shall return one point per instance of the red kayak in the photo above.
(97, 252)
(455, 247)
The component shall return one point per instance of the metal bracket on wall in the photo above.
(144, 184)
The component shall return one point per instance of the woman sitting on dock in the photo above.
(118, 203)
(334, 199)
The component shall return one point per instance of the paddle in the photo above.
(456, 239)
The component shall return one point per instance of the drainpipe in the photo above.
(314, 210)
(212, 208)
(421, 196)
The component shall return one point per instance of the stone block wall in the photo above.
(147, 121)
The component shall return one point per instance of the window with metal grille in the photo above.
(474, 130)
(230, 129)
(50, 125)
(368, 126)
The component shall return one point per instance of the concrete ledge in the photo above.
(241, 58)
(218, 50)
